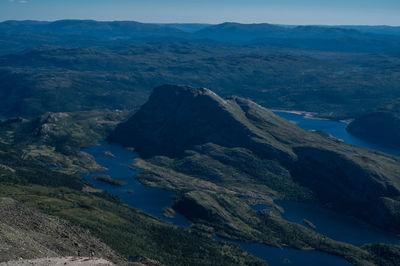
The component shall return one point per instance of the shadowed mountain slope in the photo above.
(381, 126)
(235, 141)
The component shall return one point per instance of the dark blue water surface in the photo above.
(135, 194)
(289, 256)
(336, 129)
(335, 225)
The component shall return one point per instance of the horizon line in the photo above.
(201, 23)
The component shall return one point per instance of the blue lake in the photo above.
(334, 225)
(135, 194)
(289, 256)
(336, 129)
(327, 222)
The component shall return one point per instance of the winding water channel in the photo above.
(334, 225)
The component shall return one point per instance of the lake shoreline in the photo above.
(309, 115)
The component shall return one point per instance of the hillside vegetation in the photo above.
(333, 85)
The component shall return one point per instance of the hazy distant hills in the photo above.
(18, 35)
(228, 31)
(304, 37)
(249, 32)
(385, 30)
(187, 27)
(102, 30)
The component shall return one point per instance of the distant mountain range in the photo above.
(250, 32)
(133, 29)
(102, 30)
(18, 35)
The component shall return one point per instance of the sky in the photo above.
(291, 12)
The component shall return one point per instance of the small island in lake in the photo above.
(109, 180)
(109, 154)
(309, 223)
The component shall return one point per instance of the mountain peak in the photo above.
(177, 118)
(184, 93)
(180, 89)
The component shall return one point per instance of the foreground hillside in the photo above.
(50, 202)
(72, 261)
(222, 155)
(27, 233)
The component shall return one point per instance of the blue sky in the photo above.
(329, 12)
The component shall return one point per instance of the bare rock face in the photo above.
(48, 124)
(71, 261)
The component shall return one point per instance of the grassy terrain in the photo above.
(55, 139)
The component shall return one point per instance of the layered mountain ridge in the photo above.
(20, 35)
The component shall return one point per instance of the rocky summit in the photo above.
(177, 118)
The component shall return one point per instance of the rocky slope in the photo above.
(71, 261)
(74, 261)
(26, 234)
(236, 142)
